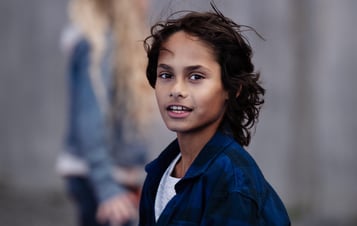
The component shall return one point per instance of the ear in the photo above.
(239, 91)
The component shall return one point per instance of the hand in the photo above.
(118, 210)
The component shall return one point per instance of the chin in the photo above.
(175, 129)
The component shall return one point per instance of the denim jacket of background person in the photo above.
(223, 186)
(89, 137)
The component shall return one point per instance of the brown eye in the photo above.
(164, 75)
(196, 76)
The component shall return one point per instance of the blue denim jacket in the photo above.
(223, 186)
(90, 137)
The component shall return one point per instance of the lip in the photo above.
(178, 111)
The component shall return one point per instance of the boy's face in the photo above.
(188, 88)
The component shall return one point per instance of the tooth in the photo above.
(177, 108)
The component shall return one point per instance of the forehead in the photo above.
(186, 44)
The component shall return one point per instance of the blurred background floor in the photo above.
(20, 208)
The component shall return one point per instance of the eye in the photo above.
(195, 76)
(164, 75)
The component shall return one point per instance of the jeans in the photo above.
(81, 192)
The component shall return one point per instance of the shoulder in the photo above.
(237, 171)
(235, 177)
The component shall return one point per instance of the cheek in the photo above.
(159, 94)
(208, 103)
(212, 96)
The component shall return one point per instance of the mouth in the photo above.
(178, 109)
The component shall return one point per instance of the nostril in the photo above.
(177, 94)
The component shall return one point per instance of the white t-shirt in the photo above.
(166, 188)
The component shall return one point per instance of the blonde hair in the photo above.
(133, 100)
(134, 93)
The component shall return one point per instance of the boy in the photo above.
(208, 93)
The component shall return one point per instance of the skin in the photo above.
(190, 94)
(118, 209)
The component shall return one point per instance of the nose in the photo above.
(178, 89)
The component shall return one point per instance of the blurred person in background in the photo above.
(106, 147)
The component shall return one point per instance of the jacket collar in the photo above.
(213, 147)
(210, 151)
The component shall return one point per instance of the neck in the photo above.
(190, 146)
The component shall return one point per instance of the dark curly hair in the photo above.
(232, 51)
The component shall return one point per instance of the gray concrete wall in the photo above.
(32, 92)
(305, 140)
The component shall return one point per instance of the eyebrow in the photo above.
(165, 49)
(188, 68)
(165, 67)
